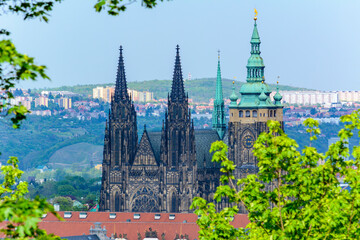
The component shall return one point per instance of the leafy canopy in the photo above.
(292, 196)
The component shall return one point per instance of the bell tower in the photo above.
(249, 117)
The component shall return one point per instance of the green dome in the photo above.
(233, 96)
(277, 97)
(262, 96)
(255, 61)
(254, 87)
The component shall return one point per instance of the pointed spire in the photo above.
(121, 86)
(219, 92)
(255, 66)
(218, 116)
(255, 35)
(177, 88)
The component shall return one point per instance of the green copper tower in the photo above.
(248, 119)
(255, 93)
(218, 117)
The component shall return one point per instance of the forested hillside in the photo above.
(75, 144)
(200, 90)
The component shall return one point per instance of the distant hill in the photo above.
(200, 90)
(80, 154)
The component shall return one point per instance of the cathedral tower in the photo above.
(120, 145)
(218, 116)
(178, 146)
(249, 118)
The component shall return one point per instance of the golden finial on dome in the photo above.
(256, 13)
(233, 82)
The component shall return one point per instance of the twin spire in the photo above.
(177, 87)
(121, 86)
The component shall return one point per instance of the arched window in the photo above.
(117, 146)
(117, 202)
(241, 113)
(247, 113)
(173, 203)
(270, 113)
(274, 113)
(174, 154)
(254, 113)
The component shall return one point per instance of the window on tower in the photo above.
(241, 114)
(270, 113)
(274, 113)
(254, 113)
(247, 113)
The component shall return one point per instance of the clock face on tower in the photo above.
(248, 141)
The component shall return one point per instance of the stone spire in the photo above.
(121, 86)
(177, 88)
(218, 116)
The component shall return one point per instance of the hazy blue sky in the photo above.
(308, 43)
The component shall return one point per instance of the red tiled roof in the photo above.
(184, 223)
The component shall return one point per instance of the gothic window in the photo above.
(173, 203)
(254, 113)
(144, 200)
(122, 144)
(173, 159)
(117, 202)
(241, 113)
(179, 142)
(117, 147)
(247, 113)
(123, 112)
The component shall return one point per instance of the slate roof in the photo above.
(203, 140)
(155, 141)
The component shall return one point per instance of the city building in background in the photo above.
(307, 98)
(64, 102)
(105, 93)
(42, 101)
(349, 96)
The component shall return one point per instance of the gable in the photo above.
(145, 155)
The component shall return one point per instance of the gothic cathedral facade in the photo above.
(165, 170)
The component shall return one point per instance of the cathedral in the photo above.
(165, 170)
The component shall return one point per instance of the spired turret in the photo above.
(249, 118)
(218, 116)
